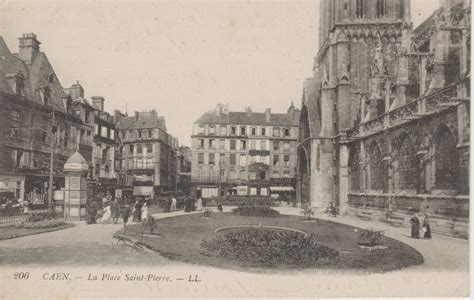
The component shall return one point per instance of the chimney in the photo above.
(291, 111)
(136, 115)
(28, 48)
(248, 110)
(76, 91)
(268, 113)
(98, 102)
(118, 115)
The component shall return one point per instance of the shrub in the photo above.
(370, 238)
(270, 248)
(207, 213)
(255, 211)
(40, 216)
(242, 200)
(307, 212)
(42, 224)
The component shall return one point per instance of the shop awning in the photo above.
(142, 190)
(281, 188)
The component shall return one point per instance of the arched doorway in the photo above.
(446, 159)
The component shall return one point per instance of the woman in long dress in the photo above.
(106, 215)
(144, 212)
(426, 228)
(199, 204)
(415, 226)
(137, 212)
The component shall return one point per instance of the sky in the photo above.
(180, 58)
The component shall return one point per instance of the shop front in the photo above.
(12, 188)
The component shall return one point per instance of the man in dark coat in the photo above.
(415, 226)
(114, 208)
(91, 213)
(125, 215)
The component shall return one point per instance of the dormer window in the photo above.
(20, 84)
(45, 95)
(51, 78)
(16, 82)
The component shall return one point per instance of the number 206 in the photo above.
(21, 275)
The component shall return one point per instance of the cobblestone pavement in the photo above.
(445, 272)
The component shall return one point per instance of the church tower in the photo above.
(358, 67)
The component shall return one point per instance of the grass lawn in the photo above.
(181, 238)
(11, 232)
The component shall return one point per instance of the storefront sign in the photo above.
(58, 195)
(242, 190)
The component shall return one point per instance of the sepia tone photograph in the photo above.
(235, 149)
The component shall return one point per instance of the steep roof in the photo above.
(311, 102)
(36, 76)
(252, 118)
(144, 121)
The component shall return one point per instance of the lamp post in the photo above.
(51, 164)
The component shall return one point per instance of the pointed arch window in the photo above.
(355, 174)
(407, 167)
(376, 169)
(380, 8)
(446, 160)
(360, 8)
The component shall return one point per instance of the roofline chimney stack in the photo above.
(268, 113)
(29, 47)
(98, 102)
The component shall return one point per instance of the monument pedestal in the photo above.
(75, 190)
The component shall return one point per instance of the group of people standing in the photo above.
(112, 211)
(415, 227)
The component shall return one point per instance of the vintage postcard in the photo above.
(235, 149)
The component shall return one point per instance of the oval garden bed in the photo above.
(330, 245)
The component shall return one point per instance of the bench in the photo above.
(128, 241)
(396, 221)
(364, 215)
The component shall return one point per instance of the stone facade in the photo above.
(389, 114)
(244, 153)
(149, 154)
(30, 93)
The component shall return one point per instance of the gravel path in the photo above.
(445, 271)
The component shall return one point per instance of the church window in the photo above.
(380, 8)
(446, 160)
(407, 167)
(360, 8)
(376, 168)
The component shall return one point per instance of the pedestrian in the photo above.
(173, 204)
(106, 215)
(91, 212)
(220, 208)
(104, 202)
(415, 226)
(199, 204)
(187, 204)
(426, 228)
(333, 212)
(137, 212)
(144, 212)
(25, 207)
(125, 215)
(115, 208)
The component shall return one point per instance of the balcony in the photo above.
(439, 100)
